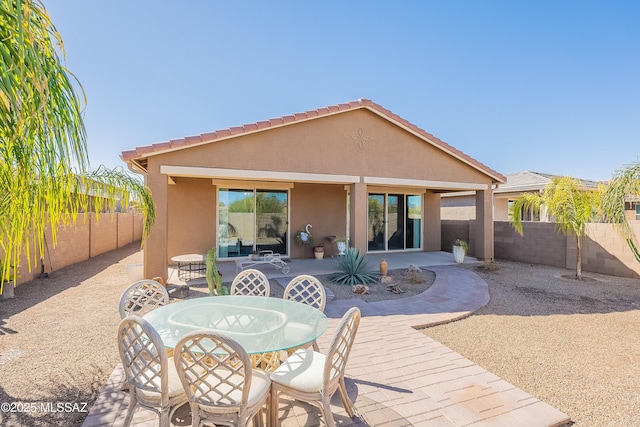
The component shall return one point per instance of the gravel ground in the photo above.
(377, 291)
(573, 344)
(58, 342)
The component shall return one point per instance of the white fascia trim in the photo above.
(256, 175)
(444, 185)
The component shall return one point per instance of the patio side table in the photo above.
(191, 266)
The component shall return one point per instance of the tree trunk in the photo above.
(579, 258)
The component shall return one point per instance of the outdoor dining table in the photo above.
(263, 326)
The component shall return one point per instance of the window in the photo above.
(394, 222)
(252, 220)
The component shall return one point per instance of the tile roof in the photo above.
(139, 154)
(532, 181)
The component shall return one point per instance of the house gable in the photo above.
(338, 140)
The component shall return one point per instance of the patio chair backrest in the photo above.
(214, 369)
(143, 357)
(141, 297)
(221, 386)
(340, 347)
(250, 282)
(307, 290)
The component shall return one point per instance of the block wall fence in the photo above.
(86, 238)
(603, 250)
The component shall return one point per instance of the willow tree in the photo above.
(572, 207)
(624, 183)
(45, 176)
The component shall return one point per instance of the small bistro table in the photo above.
(190, 266)
(263, 326)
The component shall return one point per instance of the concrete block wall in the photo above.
(104, 233)
(603, 250)
(463, 230)
(125, 229)
(539, 244)
(452, 230)
(86, 238)
(72, 245)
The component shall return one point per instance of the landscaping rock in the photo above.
(178, 291)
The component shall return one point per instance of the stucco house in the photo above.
(355, 170)
(460, 206)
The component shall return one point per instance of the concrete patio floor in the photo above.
(396, 375)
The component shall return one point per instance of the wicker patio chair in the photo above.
(153, 381)
(313, 377)
(141, 297)
(250, 282)
(306, 290)
(221, 386)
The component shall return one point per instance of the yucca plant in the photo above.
(353, 269)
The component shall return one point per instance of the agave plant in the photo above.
(353, 269)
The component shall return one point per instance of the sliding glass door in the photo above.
(252, 220)
(271, 221)
(394, 222)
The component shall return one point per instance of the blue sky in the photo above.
(548, 86)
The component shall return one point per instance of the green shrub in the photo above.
(353, 269)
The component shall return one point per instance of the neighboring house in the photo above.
(461, 206)
(355, 170)
(632, 208)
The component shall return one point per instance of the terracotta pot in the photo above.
(384, 267)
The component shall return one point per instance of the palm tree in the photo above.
(45, 176)
(572, 206)
(624, 183)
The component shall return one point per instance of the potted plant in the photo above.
(318, 251)
(341, 242)
(460, 248)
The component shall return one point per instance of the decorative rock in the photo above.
(394, 289)
(360, 289)
(386, 280)
(413, 268)
(179, 291)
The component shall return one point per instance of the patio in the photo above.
(396, 375)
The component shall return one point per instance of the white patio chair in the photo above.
(141, 297)
(308, 290)
(313, 377)
(220, 384)
(250, 282)
(153, 382)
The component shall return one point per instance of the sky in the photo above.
(550, 86)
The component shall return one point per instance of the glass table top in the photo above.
(259, 324)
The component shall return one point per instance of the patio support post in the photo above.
(358, 206)
(484, 225)
(155, 248)
(432, 236)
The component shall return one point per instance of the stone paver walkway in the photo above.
(396, 375)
